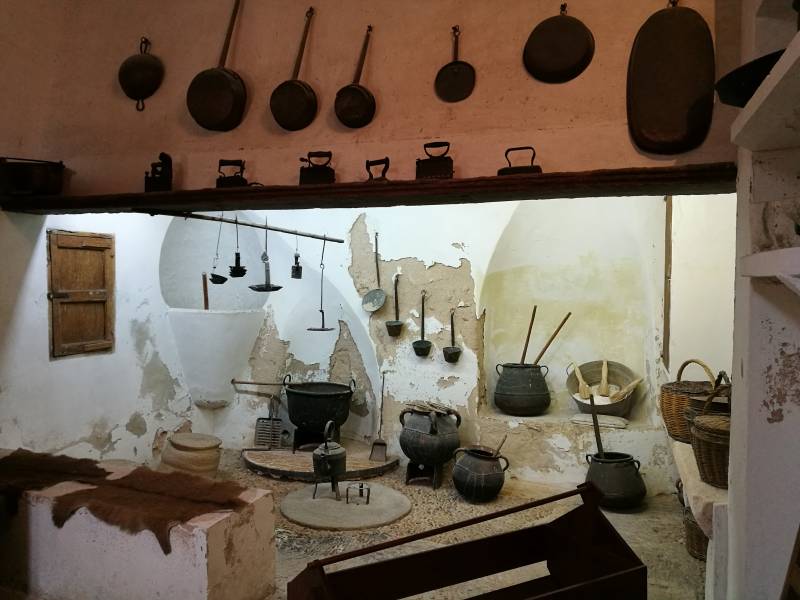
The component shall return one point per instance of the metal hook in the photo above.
(456, 30)
(564, 8)
(144, 45)
(140, 105)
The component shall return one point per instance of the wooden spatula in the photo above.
(602, 389)
(583, 388)
(622, 392)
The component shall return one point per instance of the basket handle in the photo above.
(697, 361)
(714, 394)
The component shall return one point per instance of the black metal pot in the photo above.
(141, 75)
(522, 390)
(330, 458)
(617, 476)
(478, 474)
(429, 438)
(314, 403)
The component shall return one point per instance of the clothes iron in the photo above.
(317, 173)
(159, 178)
(374, 163)
(439, 166)
(236, 179)
(520, 169)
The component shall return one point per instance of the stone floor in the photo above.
(655, 533)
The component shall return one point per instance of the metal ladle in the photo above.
(321, 281)
(452, 352)
(267, 286)
(393, 328)
(374, 299)
(216, 278)
(422, 347)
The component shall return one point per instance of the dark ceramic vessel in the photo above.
(522, 390)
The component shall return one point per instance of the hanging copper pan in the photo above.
(141, 75)
(355, 104)
(456, 80)
(558, 49)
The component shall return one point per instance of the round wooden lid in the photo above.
(195, 441)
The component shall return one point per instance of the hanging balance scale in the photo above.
(267, 286)
(238, 269)
(321, 287)
(215, 277)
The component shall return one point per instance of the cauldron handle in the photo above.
(508, 464)
(352, 385)
(458, 450)
(589, 459)
(637, 463)
(432, 417)
(497, 368)
(546, 369)
(403, 413)
(287, 379)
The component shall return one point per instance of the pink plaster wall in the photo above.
(62, 101)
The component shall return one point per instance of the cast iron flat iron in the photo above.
(235, 179)
(520, 169)
(159, 178)
(317, 172)
(321, 281)
(376, 163)
(438, 166)
(267, 286)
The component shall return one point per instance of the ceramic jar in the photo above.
(522, 390)
(194, 453)
(617, 476)
(478, 474)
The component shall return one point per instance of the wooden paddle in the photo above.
(596, 426)
(552, 337)
(528, 338)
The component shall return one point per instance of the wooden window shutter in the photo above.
(81, 292)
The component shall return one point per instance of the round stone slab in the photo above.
(386, 505)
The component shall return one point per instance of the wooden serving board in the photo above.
(297, 466)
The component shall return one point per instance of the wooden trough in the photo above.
(586, 559)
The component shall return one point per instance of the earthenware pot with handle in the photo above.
(616, 475)
(479, 473)
(522, 390)
(430, 434)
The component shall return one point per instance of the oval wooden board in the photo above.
(297, 466)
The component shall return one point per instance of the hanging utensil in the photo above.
(422, 347)
(558, 49)
(552, 337)
(374, 299)
(528, 337)
(355, 104)
(452, 352)
(297, 268)
(456, 80)
(267, 286)
(378, 451)
(294, 102)
(216, 97)
(141, 75)
(215, 277)
(393, 328)
(670, 89)
(237, 269)
(321, 286)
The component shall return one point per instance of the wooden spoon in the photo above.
(552, 337)
(602, 389)
(500, 445)
(583, 388)
(528, 337)
(622, 392)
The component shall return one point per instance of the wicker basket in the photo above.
(705, 405)
(675, 398)
(696, 540)
(711, 444)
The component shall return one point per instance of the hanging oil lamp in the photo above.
(321, 281)
(237, 269)
(215, 277)
(297, 268)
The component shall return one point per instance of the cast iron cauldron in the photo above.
(521, 390)
(429, 437)
(314, 403)
(478, 474)
(617, 476)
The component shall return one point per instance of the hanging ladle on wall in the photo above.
(374, 299)
(452, 352)
(237, 269)
(422, 347)
(215, 277)
(393, 328)
(321, 281)
(267, 286)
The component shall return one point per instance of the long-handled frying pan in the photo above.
(456, 80)
(294, 103)
(558, 49)
(216, 97)
(355, 104)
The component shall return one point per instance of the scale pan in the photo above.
(262, 287)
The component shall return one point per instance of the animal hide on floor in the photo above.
(23, 470)
(150, 500)
(143, 499)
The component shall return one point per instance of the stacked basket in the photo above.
(676, 396)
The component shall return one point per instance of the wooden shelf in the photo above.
(711, 178)
(770, 120)
(783, 264)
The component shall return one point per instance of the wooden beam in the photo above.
(711, 178)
